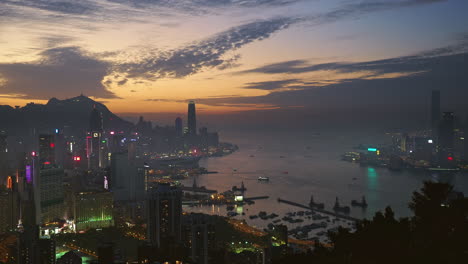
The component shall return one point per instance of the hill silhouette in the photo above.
(70, 114)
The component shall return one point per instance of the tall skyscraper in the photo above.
(435, 111)
(179, 129)
(95, 120)
(46, 149)
(164, 214)
(199, 237)
(93, 140)
(192, 119)
(127, 180)
(446, 133)
(51, 194)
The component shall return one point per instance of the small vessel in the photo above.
(253, 216)
(282, 157)
(231, 214)
(342, 209)
(285, 172)
(264, 179)
(362, 204)
(252, 156)
(313, 204)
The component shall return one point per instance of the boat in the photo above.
(253, 216)
(265, 179)
(313, 204)
(342, 209)
(282, 157)
(362, 204)
(252, 156)
(231, 214)
(285, 172)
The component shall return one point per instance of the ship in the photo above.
(313, 204)
(362, 204)
(342, 209)
(265, 179)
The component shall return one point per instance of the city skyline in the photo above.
(269, 56)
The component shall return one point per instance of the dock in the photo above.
(346, 217)
(256, 198)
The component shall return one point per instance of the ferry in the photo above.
(265, 179)
(362, 204)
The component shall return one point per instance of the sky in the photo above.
(256, 58)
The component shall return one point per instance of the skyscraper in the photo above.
(164, 207)
(199, 237)
(192, 119)
(46, 149)
(179, 127)
(95, 121)
(435, 111)
(445, 140)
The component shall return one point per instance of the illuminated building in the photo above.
(51, 193)
(47, 251)
(198, 234)
(435, 111)
(93, 210)
(192, 119)
(46, 150)
(9, 209)
(28, 246)
(94, 153)
(164, 212)
(446, 139)
(127, 180)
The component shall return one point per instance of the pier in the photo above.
(346, 217)
(256, 198)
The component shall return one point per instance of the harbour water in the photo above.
(301, 164)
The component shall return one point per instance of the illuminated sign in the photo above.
(77, 158)
(28, 174)
(238, 198)
(372, 149)
(430, 141)
(95, 134)
(57, 131)
(450, 158)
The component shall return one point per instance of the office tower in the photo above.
(60, 147)
(28, 245)
(192, 119)
(179, 127)
(47, 251)
(164, 212)
(51, 194)
(3, 157)
(446, 133)
(127, 179)
(95, 121)
(198, 234)
(92, 210)
(9, 208)
(46, 149)
(70, 258)
(435, 111)
(106, 253)
(93, 140)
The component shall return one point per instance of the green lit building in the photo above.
(93, 210)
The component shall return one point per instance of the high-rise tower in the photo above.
(435, 111)
(164, 214)
(192, 119)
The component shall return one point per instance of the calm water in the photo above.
(314, 168)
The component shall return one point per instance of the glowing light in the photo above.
(450, 158)
(57, 131)
(77, 158)
(112, 132)
(372, 149)
(33, 153)
(47, 162)
(52, 145)
(9, 183)
(430, 141)
(28, 174)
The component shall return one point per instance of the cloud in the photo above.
(63, 6)
(208, 53)
(61, 72)
(271, 85)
